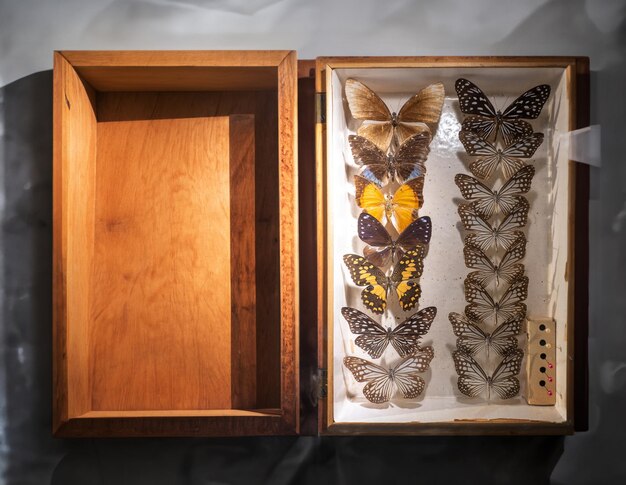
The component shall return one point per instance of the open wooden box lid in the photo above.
(175, 277)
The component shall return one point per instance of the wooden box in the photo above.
(175, 278)
(199, 224)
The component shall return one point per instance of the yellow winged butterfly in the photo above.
(419, 114)
(400, 208)
(377, 285)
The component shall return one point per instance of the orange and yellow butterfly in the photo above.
(400, 209)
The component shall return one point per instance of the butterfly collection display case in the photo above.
(247, 244)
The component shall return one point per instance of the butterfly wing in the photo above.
(519, 183)
(364, 273)
(405, 203)
(510, 304)
(477, 146)
(470, 338)
(482, 127)
(418, 232)
(405, 337)
(379, 387)
(372, 337)
(504, 337)
(484, 201)
(486, 235)
(472, 378)
(481, 305)
(472, 100)
(529, 104)
(405, 273)
(369, 197)
(424, 107)
(505, 234)
(378, 133)
(508, 268)
(364, 103)
(374, 233)
(503, 380)
(409, 160)
(475, 258)
(366, 154)
(405, 374)
(512, 130)
(519, 148)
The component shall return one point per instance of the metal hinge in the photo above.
(322, 383)
(320, 107)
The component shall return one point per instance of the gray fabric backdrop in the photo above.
(31, 29)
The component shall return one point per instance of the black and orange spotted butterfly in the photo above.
(509, 123)
(482, 305)
(474, 381)
(508, 268)
(373, 338)
(382, 382)
(382, 249)
(486, 202)
(418, 114)
(377, 285)
(406, 163)
(492, 157)
(473, 340)
(498, 235)
(399, 208)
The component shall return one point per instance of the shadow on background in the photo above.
(34, 457)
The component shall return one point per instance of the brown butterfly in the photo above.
(483, 307)
(418, 115)
(406, 163)
(473, 340)
(507, 269)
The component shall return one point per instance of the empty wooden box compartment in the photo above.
(174, 234)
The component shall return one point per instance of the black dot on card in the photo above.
(542, 342)
(543, 356)
(542, 327)
(542, 369)
(542, 383)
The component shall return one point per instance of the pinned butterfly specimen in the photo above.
(406, 163)
(471, 339)
(508, 123)
(486, 202)
(373, 338)
(403, 278)
(382, 249)
(418, 115)
(498, 235)
(482, 305)
(400, 208)
(507, 269)
(473, 380)
(382, 383)
(509, 158)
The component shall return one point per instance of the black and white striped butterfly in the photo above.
(508, 123)
(507, 268)
(485, 202)
(406, 163)
(377, 285)
(473, 340)
(473, 380)
(482, 305)
(497, 235)
(373, 338)
(382, 382)
(382, 249)
(508, 158)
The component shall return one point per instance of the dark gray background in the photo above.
(30, 30)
